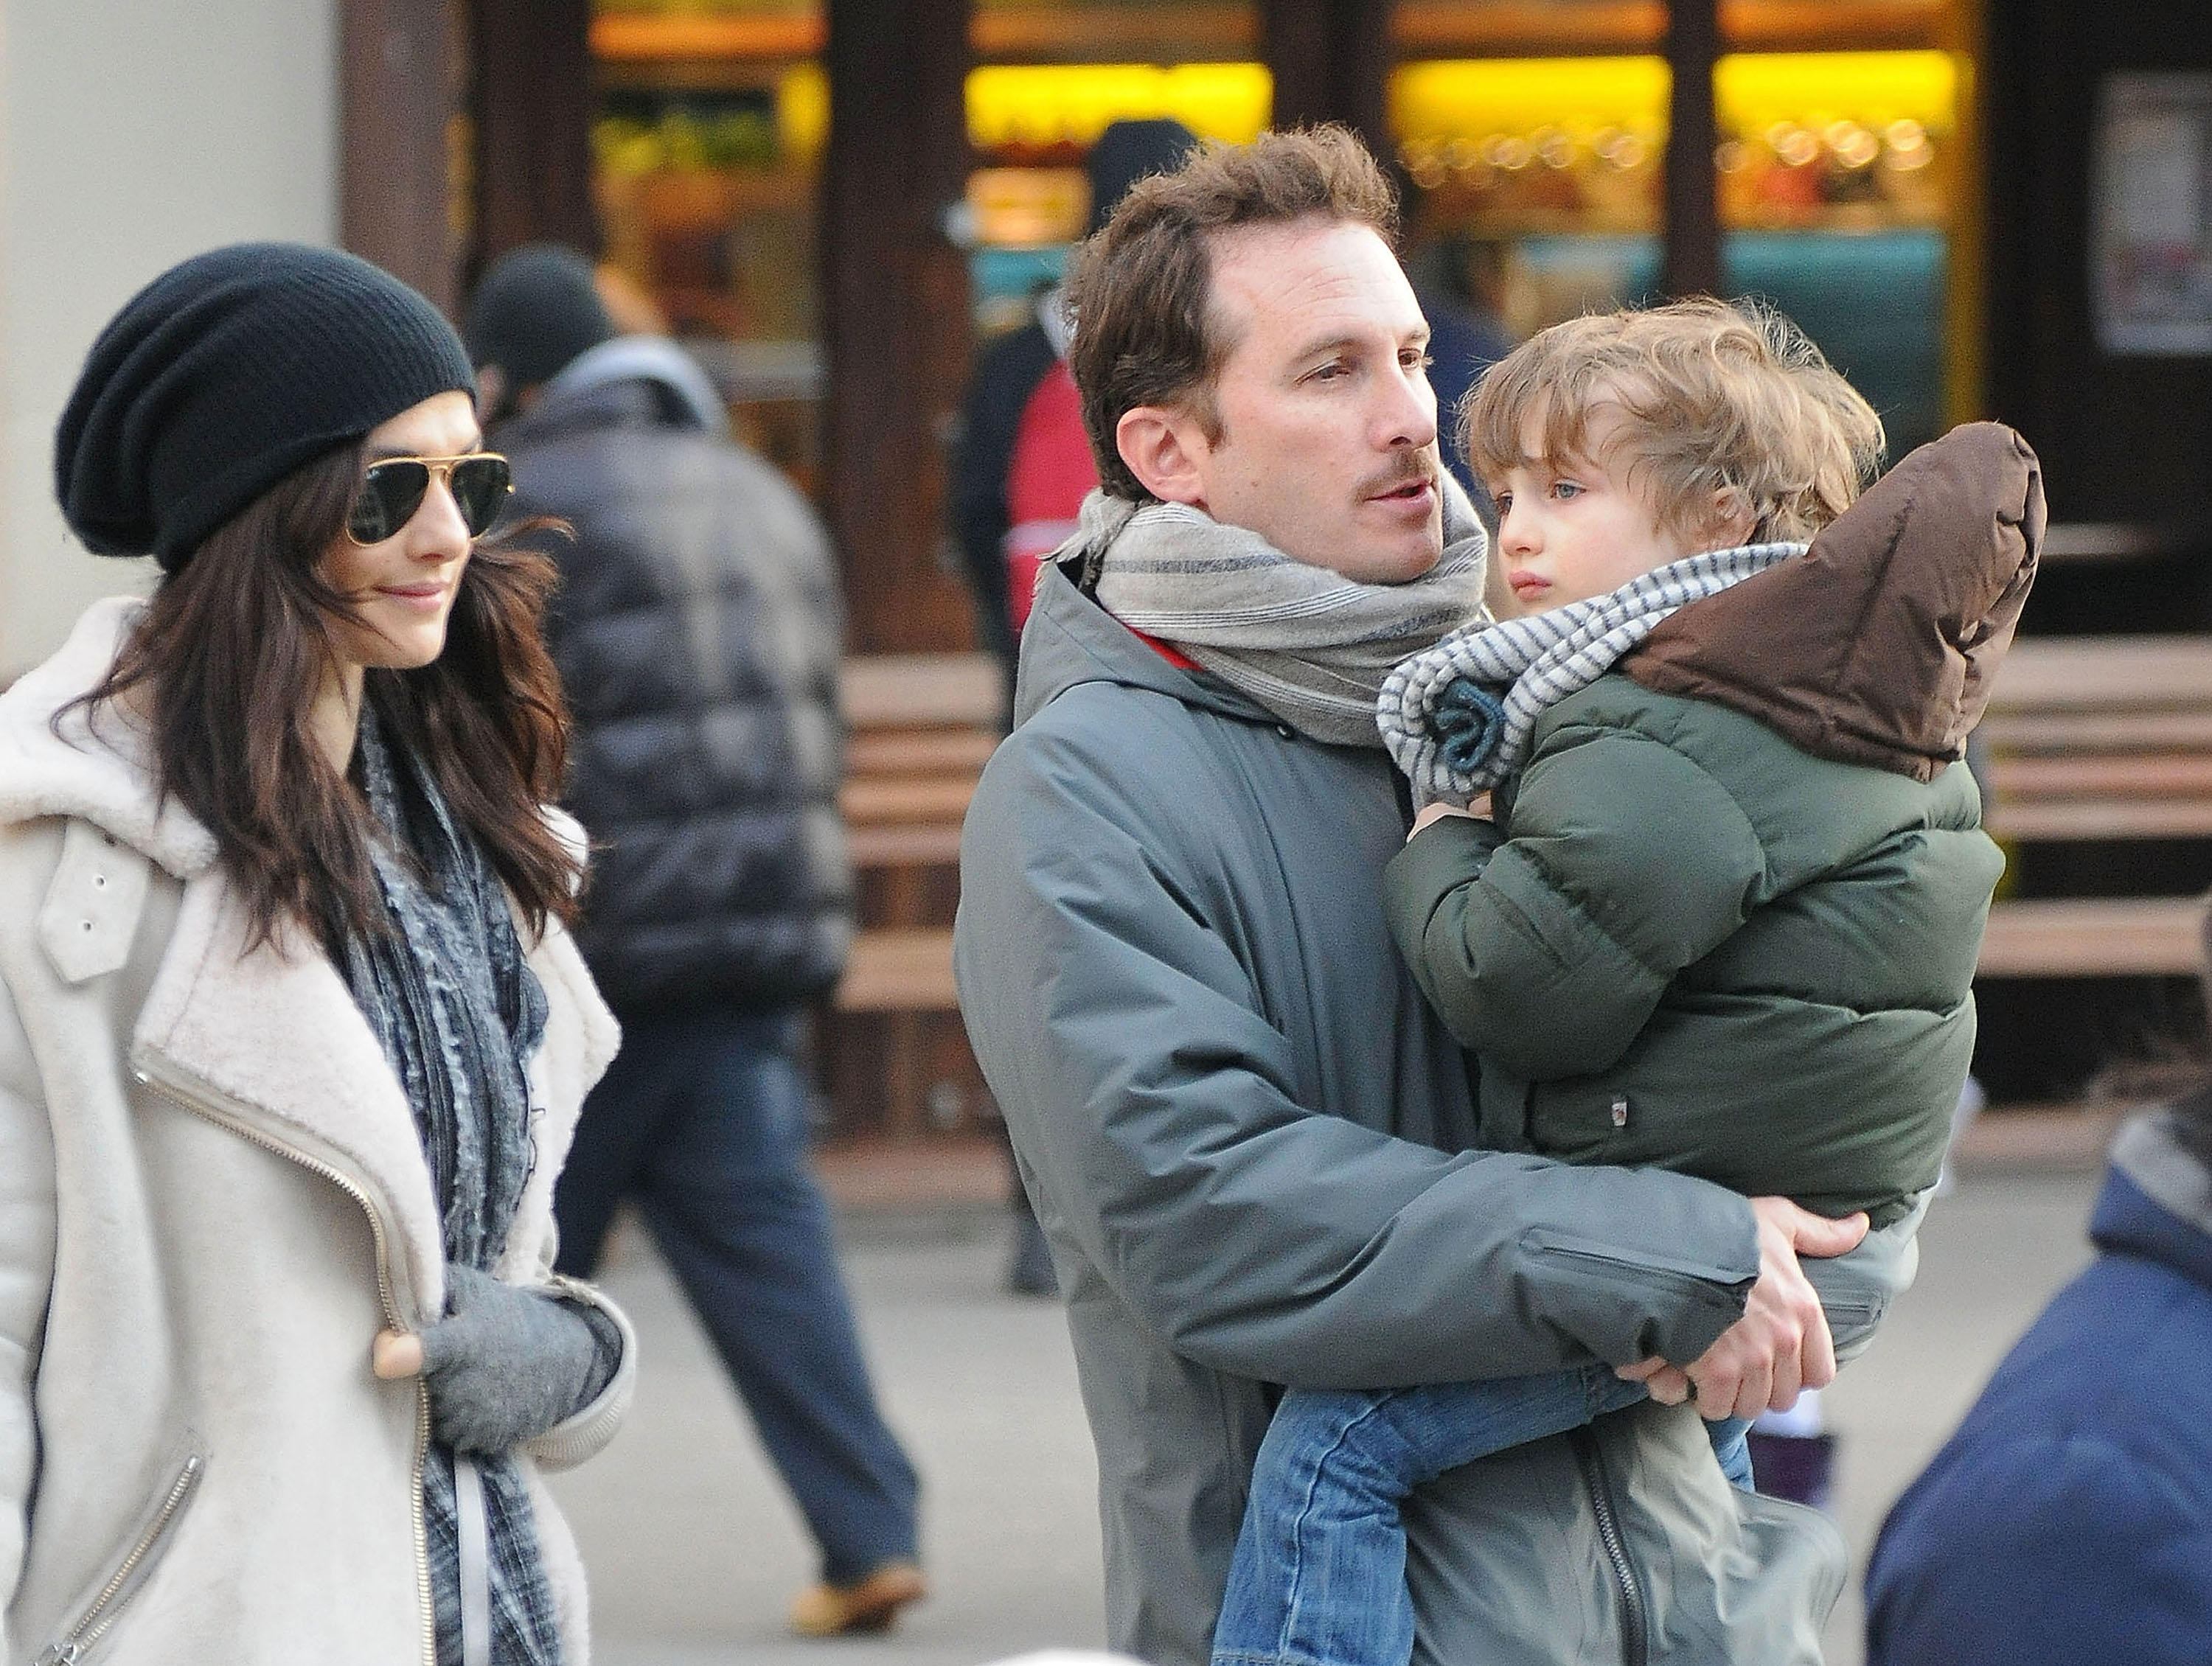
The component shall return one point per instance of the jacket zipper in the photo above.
(1635, 1636)
(92, 1625)
(384, 1295)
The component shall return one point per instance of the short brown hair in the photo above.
(1140, 292)
(1718, 396)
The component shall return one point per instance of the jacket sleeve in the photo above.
(1546, 945)
(27, 1268)
(586, 1431)
(1154, 1101)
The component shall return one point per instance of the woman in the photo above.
(291, 1036)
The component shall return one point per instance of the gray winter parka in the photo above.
(1233, 1110)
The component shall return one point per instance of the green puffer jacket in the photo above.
(1689, 941)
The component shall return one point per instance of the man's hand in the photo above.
(1781, 1345)
(1477, 808)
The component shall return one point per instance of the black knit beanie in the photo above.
(535, 310)
(1129, 151)
(227, 373)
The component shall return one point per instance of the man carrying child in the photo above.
(1254, 1146)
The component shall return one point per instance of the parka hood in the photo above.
(1878, 646)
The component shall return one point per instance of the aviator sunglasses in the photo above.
(393, 489)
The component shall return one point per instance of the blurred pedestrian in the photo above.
(698, 635)
(2070, 1519)
(291, 1036)
(1022, 470)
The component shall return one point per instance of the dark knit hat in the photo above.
(1129, 151)
(536, 309)
(227, 373)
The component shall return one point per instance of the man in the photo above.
(1020, 473)
(697, 635)
(1230, 1105)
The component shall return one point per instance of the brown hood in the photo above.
(1879, 645)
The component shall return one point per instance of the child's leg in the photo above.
(1319, 1577)
(1731, 1439)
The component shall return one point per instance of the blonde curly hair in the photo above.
(1721, 401)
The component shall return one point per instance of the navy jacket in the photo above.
(2070, 1519)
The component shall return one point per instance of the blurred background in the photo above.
(1977, 209)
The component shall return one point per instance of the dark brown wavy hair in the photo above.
(230, 655)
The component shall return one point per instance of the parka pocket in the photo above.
(152, 1534)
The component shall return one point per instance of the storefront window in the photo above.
(1539, 178)
(1050, 79)
(712, 116)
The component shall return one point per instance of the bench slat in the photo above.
(2012, 732)
(2090, 673)
(899, 972)
(944, 798)
(910, 691)
(2101, 818)
(2093, 937)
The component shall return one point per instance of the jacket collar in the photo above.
(2157, 1201)
(97, 770)
(1070, 639)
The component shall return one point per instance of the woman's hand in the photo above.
(508, 1364)
(1478, 809)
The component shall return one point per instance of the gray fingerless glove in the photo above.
(510, 1364)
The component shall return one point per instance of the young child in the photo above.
(1717, 903)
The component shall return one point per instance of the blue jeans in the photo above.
(702, 1121)
(1320, 1574)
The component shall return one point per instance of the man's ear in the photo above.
(1166, 450)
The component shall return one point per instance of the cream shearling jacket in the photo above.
(212, 1197)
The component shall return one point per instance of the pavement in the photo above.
(694, 1550)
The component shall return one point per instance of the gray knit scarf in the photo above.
(1308, 645)
(458, 1011)
(1457, 717)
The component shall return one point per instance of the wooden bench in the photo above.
(921, 726)
(2097, 738)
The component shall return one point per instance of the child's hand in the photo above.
(1781, 1345)
(1478, 809)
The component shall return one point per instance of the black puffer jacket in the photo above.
(698, 633)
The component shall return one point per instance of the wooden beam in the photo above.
(398, 91)
(1330, 61)
(894, 312)
(532, 109)
(1691, 263)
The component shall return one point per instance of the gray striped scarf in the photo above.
(1310, 646)
(1457, 717)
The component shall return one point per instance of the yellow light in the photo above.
(802, 112)
(1455, 98)
(1753, 91)
(1072, 103)
(1435, 102)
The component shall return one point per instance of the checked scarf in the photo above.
(458, 1011)
(1457, 717)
